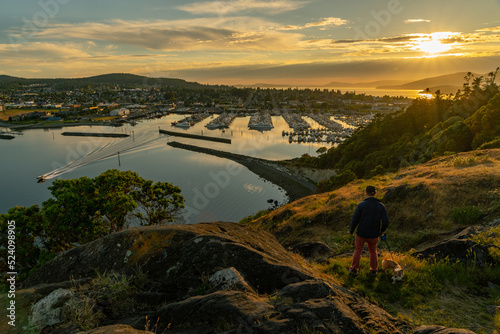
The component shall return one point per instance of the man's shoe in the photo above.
(373, 273)
(353, 272)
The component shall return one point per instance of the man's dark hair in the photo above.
(370, 190)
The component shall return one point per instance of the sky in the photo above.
(290, 42)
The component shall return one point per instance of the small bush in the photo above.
(336, 181)
(81, 313)
(467, 215)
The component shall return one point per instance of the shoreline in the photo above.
(294, 185)
(51, 125)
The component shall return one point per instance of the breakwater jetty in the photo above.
(295, 186)
(189, 135)
(95, 134)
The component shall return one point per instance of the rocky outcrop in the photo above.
(203, 278)
(459, 248)
(440, 330)
(404, 191)
(315, 251)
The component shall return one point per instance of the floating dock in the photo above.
(95, 134)
(189, 135)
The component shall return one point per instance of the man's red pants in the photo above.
(359, 243)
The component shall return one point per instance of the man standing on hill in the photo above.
(368, 217)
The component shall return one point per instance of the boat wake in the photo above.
(115, 147)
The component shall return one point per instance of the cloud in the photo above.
(417, 21)
(47, 52)
(327, 21)
(235, 6)
(236, 33)
(492, 29)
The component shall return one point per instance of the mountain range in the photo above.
(449, 83)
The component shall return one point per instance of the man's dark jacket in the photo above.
(367, 217)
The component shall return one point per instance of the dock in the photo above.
(95, 134)
(189, 135)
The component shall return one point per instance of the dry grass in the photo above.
(450, 183)
(4, 115)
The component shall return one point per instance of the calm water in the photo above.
(213, 188)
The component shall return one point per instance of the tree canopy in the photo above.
(85, 209)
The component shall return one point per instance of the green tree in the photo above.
(159, 202)
(86, 209)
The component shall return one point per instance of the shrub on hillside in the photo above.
(468, 215)
(336, 181)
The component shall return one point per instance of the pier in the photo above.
(295, 186)
(95, 134)
(189, 135)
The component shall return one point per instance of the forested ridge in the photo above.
(427, 129)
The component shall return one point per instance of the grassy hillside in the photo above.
(426, 203)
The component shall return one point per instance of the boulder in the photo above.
(229, 278)
(316, 251)
(453, 250)
(49, 310)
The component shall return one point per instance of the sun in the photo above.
(433, 47)
(435, 43)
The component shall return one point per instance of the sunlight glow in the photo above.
(437, 42)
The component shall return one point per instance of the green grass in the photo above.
(439, 293)
(467, 215)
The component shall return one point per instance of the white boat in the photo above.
(183, 125)
(261, 126)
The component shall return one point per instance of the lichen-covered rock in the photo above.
(177, 255)
(229, 278)
(49, 310)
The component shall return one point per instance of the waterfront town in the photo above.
(44, 105)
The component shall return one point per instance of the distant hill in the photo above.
(449, 83)
(333, 84)
(121, 79)
(370, 84)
